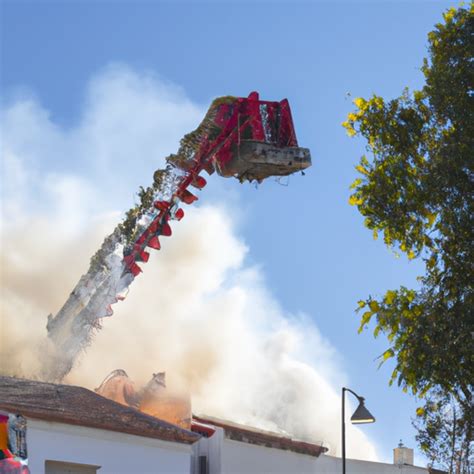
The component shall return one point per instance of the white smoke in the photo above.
(199, 311)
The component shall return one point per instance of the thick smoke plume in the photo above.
(198, 312)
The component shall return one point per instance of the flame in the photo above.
(154, 398)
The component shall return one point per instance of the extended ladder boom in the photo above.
(245, 138)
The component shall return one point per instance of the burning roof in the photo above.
(79, 406)
(154, 400)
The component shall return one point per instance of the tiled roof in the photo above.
(79, 406)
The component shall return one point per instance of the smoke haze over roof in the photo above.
(200, 311)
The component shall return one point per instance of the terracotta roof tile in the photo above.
(79, 406)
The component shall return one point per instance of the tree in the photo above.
(416, 188)
(442, 434)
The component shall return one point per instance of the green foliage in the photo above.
(416, 190)
(443, 433)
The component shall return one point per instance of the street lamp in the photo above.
(361, 415)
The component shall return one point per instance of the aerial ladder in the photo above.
(245, 138)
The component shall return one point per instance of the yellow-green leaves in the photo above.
(387, 354)
(365, 320)
(418, 95)
(367, 315)
(349, 126)
(431, 218)
(355, 200)
(357, 120)
(390, 297)
(410, 295)
(361, 104)
(431, 262)
(414, 189)
(362, 170)
(355, 183)
(374, 306)
(351, 117)
(449, 14)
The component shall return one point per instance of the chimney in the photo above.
(402, 455)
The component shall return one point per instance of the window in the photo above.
(203, 466)
(60, 467)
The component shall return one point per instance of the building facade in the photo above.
(72, 430)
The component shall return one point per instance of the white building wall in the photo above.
(242, 458)
(119, 453)
(211, 448)
(332, 465)
(116, 453)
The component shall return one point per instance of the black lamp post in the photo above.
(361, 415)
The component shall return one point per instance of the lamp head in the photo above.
(362, 415)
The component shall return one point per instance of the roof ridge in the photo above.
(81, 406)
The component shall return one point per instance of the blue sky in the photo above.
(317, 257)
